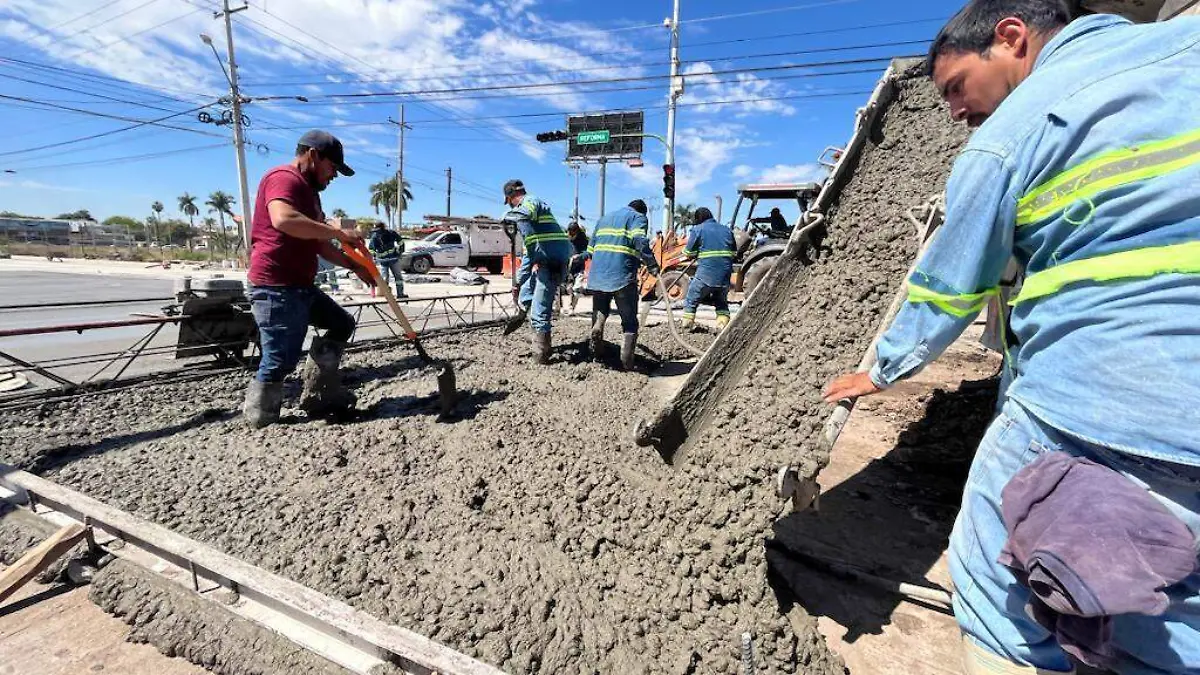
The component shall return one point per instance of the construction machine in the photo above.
(759, 242)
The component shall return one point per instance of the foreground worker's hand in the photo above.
(851, 385)
(349, 238)
(516, 295)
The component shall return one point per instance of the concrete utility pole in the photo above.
(449, 188)
(720, 203)
(676, 90)
(238, 139)
(603, 177)
(400, 175)
(575, 213)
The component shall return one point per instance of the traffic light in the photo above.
(669, 181)
(552, 136)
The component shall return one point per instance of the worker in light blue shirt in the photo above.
(544, 265)
(618, 248)
(712, 245)
(1086, 168)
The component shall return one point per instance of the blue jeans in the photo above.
(391, 268)
(283, 315)
(989, 603)
(537, 295)
(627, 306)
(698, 293)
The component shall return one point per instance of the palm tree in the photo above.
(383, 195)
(187, 205)
(209, 224)
(221, 204)
(157, 207)
(339, 213)
(684, 215)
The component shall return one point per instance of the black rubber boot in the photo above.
(628, 347)
(263, 401)
(323, 391)
(596, 339)
(541, 347)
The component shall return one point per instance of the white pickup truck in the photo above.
(475, 244)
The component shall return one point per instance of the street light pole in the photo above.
(400, 171)
(236, 102)
(676, 90)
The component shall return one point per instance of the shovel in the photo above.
(447, 389)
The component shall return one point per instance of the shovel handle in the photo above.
(359, 254)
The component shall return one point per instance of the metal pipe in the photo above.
(83, 303)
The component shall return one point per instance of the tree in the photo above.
(177, 232)
(157, 207)
(187, 205)
(221, 203)
(134, 228)
(383, 195)
(339, 213)
(81, 214)
(14, 214)
(685, 214)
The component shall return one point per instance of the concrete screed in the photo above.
(529, 532)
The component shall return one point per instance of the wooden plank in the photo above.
(411, 650)
(39, 558)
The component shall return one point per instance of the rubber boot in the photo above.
(722, 321)
(628, 347)
(596, 339)
(263, 401)
(323, 391)
(541, 347)
(979, 661)
(687, 323)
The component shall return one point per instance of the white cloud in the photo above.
(793, 173)
(703, 85)
(699, 152)
(26, 184)
(742, 171)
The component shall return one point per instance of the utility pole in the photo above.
(676, 90)
(720, 203)
(575, 213)
(400, 175)
(449, 189)
(238, 139)
(603, 176)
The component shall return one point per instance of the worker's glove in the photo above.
(516, 295)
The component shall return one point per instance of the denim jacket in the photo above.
(712, 243)
(545, 241)
(1089, 174)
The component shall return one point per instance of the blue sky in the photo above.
(143, 60)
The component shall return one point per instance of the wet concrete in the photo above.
(529, 531)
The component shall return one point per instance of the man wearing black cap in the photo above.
(547, 250)
(287, 235)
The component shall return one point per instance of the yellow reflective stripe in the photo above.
(1107, 171)
(549, 236)
(961, 305)
(717, 254)
(546, 220)
(614, 232)
(613, 248)
(1133, 264)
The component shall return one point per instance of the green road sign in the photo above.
(593, 137)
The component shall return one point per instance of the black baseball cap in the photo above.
(328, 146)
(512, 187)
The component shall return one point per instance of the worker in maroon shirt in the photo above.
(287, 234)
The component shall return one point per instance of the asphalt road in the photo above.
(25, 287)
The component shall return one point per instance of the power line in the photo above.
(116, 82)
(646, 78)
(85, 93)
(106, 21)
(125, 159)
(140, 123)
(735, 57)
(760, 38)
(130, 36)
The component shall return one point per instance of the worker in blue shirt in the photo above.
(386, 246)
(1084, 167)
(544, 265)
(711, 243)
(618, 248)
